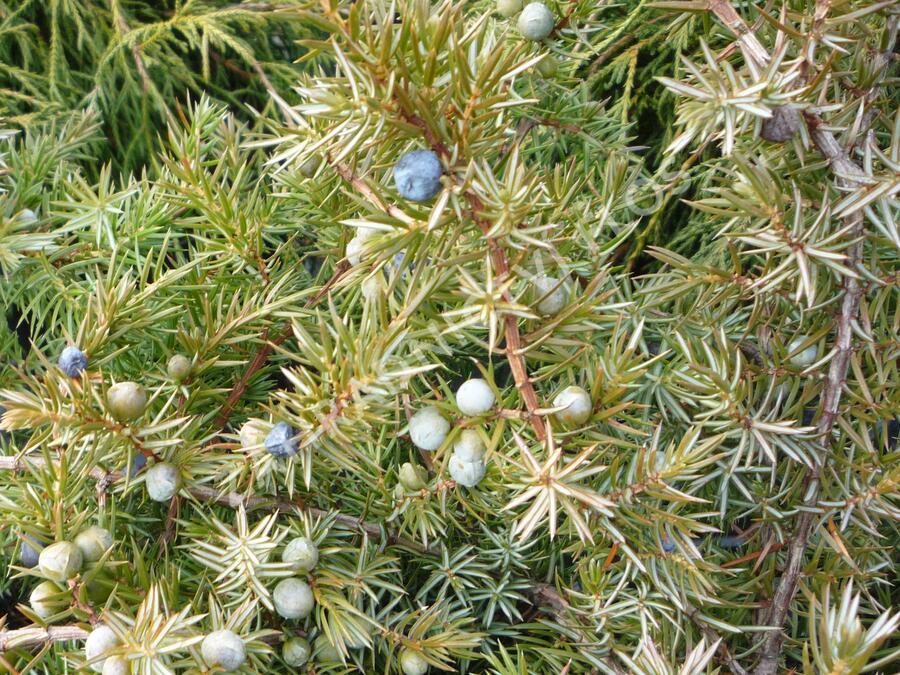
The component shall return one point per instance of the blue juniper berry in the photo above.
(418, 175)
(281, 442)
(72, 361)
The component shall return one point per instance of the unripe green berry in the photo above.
(547, 66)
(576, 406)
(550, 293)
(536, 21)
(413, 477)
(805, 358)
(60, 561)
(93, 542)
(310, 166)
(224, 649)
(253, 434)
(116, 665)
(373, 287)
(163, 481)
(474, 397)
(293, 598)
(467, 474)
(469, 447)
(355, 250)
(126, 401)
(178, 368)
(302, 553)
(509, 8)
(325, 651)
(413, 663)
(101, 640)
(296, 651)
(42, 600)
(428, 428)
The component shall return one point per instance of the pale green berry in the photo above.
(93, 542)
(354, 250)
(302, 553)
(413, 477)
(60, 561)
(804, 358)
(178, 368)
(310, 166)
(101, 640)
(474, 397)
(42, 600)
(413, 663)
(253, 434)
(293, 598)
(296, 651)
(550, 293)
(428, 428)
(509, 8)
(325, 651)
(467, 474)
(126, 401)
(163, 481)
(536, 21)
(547, 66)
(116, 665)
(224, 649)
(373, 287)
(576, 406)
(469, 446)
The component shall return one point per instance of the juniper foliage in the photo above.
(617, 222)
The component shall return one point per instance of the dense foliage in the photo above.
(601, 379)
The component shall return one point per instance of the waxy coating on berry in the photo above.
(475, 397)
(60, 561)
(417, 175)
(413, 663)
(224, 649)
(802, 358)
(576, 406)
(293, 598)
(178, 368)
(550, 294)
(101, 640)
(302, 553)
(469, 446)
(467, 474)
(40, 599)
(116, 665)
(536, 21)
(163, 481)
(93, 542)
(126, 401)
(296, 651)
(72, 361)
(428, 428)
(280, 442)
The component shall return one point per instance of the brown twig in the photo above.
(37, 637)
(262, 354)
(849, 176)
